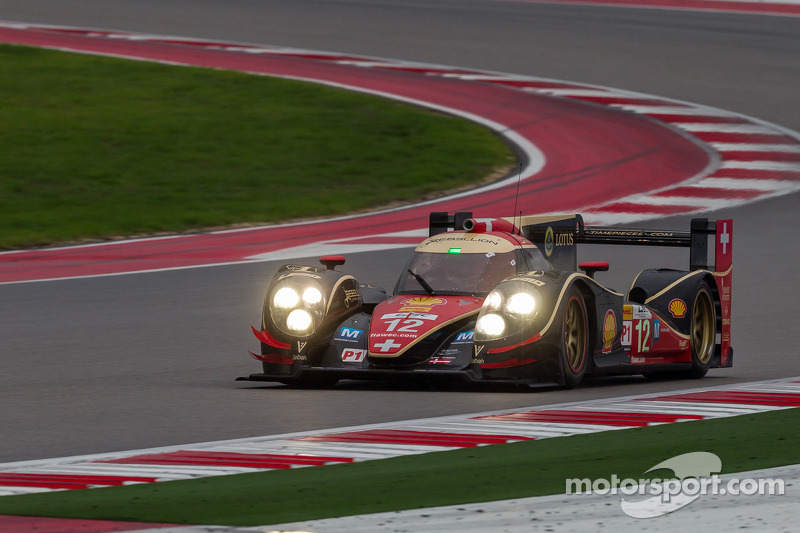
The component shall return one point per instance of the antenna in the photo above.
(519, 179)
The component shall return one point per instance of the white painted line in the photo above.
(698, 111)
(781, 166)
(745, 184)
(756, 147)
(750, 129)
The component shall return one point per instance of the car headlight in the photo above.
(507, 310)
(521, 303)
(297, 305)
(490, 325)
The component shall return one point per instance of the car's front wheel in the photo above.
(575, 339)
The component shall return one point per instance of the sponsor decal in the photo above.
(351, 296)
(300, 346)
(421, 304)
(677, 308)
(656, 330)
(534, 282)
(564, 239)
(350, 355)
(437, 360)
(298, 357)
(627, 312)
(387, 345)
(549, 241)
(349, 334)
(627, 325)
(641, 312)
(609, 330)
(637, 360)
(478, 349)
(464, 337)
(412, 316)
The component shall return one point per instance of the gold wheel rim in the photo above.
(703, 327)
(574, 335)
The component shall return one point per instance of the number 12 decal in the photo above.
(643, 335)
(409, 325)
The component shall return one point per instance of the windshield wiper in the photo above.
(422, 282)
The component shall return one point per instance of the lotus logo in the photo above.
(549, 241)
(677, 308)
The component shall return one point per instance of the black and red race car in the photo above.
(504, 300)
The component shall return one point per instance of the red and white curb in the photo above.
(380, 441)
(751, 159)
(746, 159)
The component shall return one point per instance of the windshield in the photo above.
(457, 273)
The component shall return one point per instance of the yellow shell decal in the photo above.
(421, 304)
(677, 308)
(609, 330)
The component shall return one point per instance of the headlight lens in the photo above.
(285, 298)
(508, 310)
(491, 325)
(521, 303)
(299, 320)
(297, 305)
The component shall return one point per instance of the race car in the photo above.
(504, 300)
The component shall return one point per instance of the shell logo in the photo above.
(677, 308)
(609, 330)
(422, 303)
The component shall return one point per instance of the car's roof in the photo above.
(474, 243)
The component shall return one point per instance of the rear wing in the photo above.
(558, 235)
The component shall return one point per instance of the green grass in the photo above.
(96, 147)
(488, 473)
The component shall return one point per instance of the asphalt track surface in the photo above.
(123, 362)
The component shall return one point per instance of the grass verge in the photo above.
(469, 475)
(95, 147)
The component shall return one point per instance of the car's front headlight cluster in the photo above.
(297, 306)
(509, 308)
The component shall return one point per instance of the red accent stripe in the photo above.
(66, 481)
(508, 348)
(753, 398)
(714, 193)
(266, 338)
(508, 363)
(189, 457)
(605, 418)
(421, 438)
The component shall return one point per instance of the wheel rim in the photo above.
(574, 335)
(703, 327)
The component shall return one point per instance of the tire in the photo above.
(574, 339)
(703, 332)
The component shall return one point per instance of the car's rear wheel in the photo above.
(703, 331)
(574, 339)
